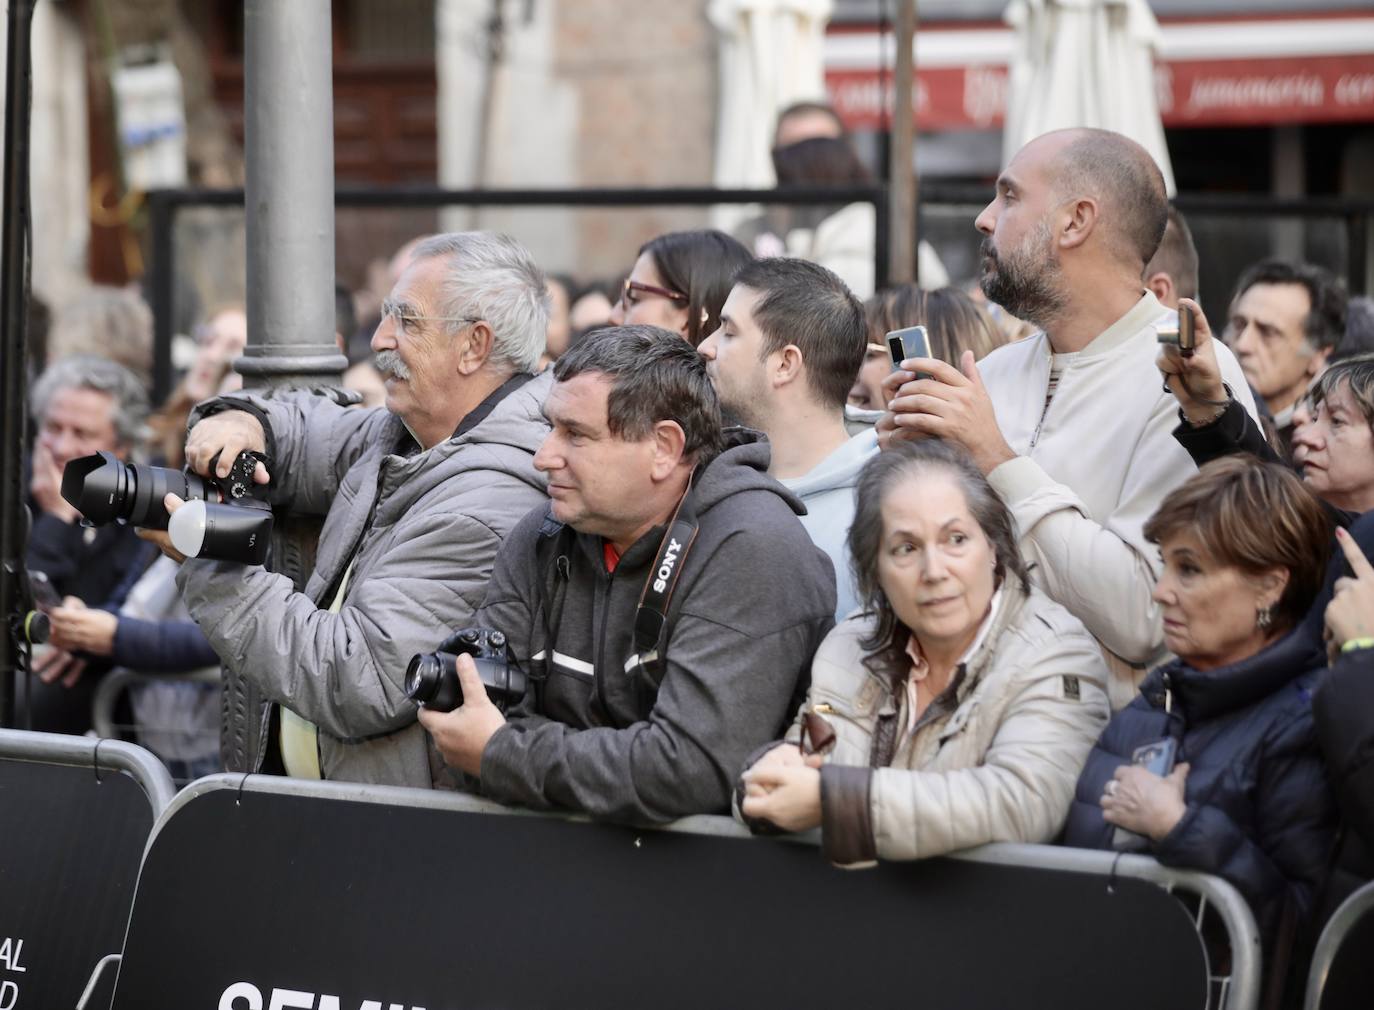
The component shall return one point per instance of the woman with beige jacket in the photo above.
(959, 708)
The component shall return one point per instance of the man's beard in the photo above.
(1025, 282)
(389, 363)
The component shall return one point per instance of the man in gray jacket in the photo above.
(666, 604)
(417, 498)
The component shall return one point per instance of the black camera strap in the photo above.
(651, 615)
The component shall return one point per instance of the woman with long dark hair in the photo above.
(680, 282)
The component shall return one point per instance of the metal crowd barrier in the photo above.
(258, 892)
(1342, 975)
(75, 816)
(164, 204)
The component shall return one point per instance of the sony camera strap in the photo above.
(651, 615)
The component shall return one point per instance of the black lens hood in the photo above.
(96, 486)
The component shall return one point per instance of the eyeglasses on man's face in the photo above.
(408, 320)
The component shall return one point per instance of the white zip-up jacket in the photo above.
(1090, 471)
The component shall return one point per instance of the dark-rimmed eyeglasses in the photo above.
(632, 292)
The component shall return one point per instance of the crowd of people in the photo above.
(1062, 581)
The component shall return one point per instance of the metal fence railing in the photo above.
(1230, 231)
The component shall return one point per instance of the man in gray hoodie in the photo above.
(417, 498)
(665, 605)
(791, 339)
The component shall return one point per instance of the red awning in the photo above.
(1224, 73)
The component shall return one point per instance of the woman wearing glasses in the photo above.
(959, 708)
(680, 281)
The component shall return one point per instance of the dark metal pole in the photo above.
(158, 289)
(288, 112)
(14, 298)
(902, 169)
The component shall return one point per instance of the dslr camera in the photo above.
(224, 518)
(432, 677)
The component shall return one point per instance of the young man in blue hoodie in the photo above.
(791, 340)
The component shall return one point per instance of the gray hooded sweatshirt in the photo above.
(607, 736)
(827, 491)
(422, 529)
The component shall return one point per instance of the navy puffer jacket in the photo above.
(1260, 812)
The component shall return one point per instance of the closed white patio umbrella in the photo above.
(770, 56)
(1084, 63)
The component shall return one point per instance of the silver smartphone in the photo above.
(911, 342)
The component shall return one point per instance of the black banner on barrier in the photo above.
(266, 902)
(1350, 982)
(69, 852)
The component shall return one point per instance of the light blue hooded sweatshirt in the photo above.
(827, 491)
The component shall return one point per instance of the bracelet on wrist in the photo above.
(1355, 644)
(1213, 417)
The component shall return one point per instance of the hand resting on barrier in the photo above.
(786, 793)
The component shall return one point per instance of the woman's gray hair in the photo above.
(493, 277)
(904, 461)
(89, 371)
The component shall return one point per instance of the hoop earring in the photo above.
(1264, 618)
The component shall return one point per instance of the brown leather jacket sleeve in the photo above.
(846, 818)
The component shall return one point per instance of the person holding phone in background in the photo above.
(1244, 549)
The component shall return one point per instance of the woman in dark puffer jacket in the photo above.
(1244, 547)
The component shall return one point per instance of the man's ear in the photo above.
(1162, 284)
(475, 347)
(785, 366)
(670, 441)
(1317, 363)
(1079, 223)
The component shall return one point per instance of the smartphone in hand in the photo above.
(912, 342)
(1157, 758)
(45, 596)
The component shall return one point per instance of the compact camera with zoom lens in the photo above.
(224, 518)
(432, 677)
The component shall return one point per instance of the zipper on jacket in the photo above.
(1045, 411)
(599, 657)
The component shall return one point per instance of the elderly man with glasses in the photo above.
(417, 497)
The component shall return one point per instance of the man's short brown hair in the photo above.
(1176, 256)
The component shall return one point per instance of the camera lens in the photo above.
(422, 677)
(432, 681)
(105, 489)
(96, 486)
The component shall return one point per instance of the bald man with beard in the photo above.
(1072, 425)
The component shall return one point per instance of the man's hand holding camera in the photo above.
(225, 435)
(462, 735)
(952, 404)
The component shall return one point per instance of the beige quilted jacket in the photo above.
(995, 759)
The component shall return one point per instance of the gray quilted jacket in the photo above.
(423, 528)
